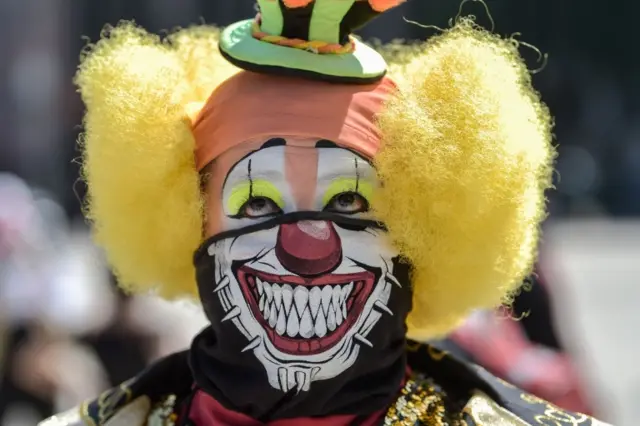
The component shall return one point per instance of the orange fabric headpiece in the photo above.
(251, 105)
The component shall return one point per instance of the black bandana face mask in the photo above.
(306, 308)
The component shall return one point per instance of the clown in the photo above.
(336, 203)
(303, 288)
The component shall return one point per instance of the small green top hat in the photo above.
(308, 38)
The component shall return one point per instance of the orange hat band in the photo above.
(249, 106)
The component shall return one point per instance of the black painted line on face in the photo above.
(325, 143)
(250, 180)
(355, 160)
(274, 142)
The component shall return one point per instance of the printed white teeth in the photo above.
(267, 309)
(268, 291)
(273, 318)
(331, 320)
(314, 301)
(301, 380)
(287, 297)
(393, 279)
(360, 338)
(382, 307)
(335, 297)
(293, 325)
(339, 316)
(320, 326)
(233, 313)
(290, 380)
(306, 324)
(277, 294)
(299, 311)
(326, 298)
(300, 296)
(282, 379)
(222, 284)
(281, 326)
(252, 344)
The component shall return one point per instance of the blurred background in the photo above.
(66, 333)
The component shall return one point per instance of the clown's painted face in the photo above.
(311, 276)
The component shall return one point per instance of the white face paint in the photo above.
(306, 294)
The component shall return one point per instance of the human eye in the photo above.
(254, 199)
(347, 196)
(347, 203)
(258, 207)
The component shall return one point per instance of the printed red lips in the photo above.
(305, 316)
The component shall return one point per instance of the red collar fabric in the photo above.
(206, 411)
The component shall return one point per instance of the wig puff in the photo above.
(144, 196)
(466, 158)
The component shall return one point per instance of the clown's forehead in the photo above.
(297, 159)
(301, 173)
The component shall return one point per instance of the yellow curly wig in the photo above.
(467, 155)
(466, 158)
(144, 194)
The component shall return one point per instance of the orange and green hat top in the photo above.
(308, 38)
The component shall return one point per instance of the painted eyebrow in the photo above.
(250, 179)
(355, 161)
(322, 143)
(274, 142)
(325, 143)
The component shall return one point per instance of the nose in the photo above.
(309, 248)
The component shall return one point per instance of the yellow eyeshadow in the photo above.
(241, 193)
(348, 184)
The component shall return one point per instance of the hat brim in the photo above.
(363, 66)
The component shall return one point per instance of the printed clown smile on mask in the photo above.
(306, 315)
(305, 293)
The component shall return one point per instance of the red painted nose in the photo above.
(309, 248)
